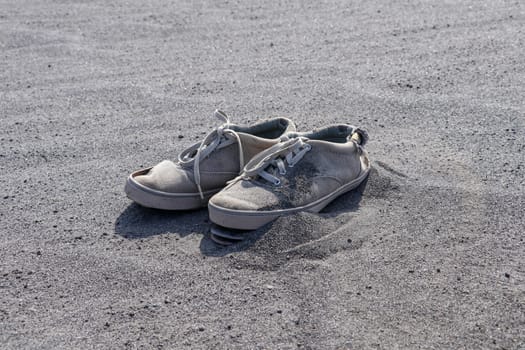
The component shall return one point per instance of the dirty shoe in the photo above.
(204, 168)
(304, 173)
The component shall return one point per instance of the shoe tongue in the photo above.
(271, 169)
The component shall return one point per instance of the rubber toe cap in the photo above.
(225, 201)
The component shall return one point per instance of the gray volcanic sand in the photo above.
(428, 255)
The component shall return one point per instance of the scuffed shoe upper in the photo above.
(218, 165)
(332, 160)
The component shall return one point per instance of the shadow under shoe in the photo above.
(137, 222)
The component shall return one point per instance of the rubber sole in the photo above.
(226, 236)
(252, 220)
(150, 198)
(222, 241)
(227, 233)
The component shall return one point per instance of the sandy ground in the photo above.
(428, 255)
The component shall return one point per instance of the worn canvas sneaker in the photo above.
(204, 168)
(304, 173)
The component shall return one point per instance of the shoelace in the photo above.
(290, 151)
(221, 137)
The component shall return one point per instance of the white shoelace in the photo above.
(290, 151)
(221, 137)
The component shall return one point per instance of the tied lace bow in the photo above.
(221, 137)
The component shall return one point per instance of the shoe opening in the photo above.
(271, 129)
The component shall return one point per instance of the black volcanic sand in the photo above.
(429, 254)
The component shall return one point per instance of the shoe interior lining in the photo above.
(271, 129)
(333, 133)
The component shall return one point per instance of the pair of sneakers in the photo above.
(250, 175)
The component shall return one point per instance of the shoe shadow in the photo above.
(137, 222)
(346, 203)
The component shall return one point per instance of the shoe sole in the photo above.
(222, 241)
(227, 233)
(150, 198)
(252, 220)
